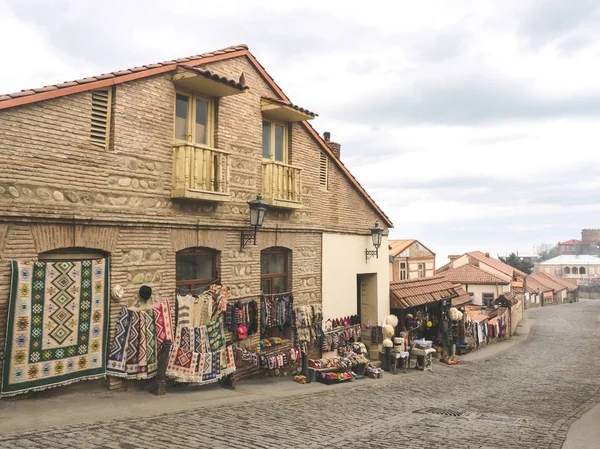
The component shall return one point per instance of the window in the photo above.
(100, 126)
(421, 270)
(323, 171)
(548, 270)
(402, 271)
(574, 270)
(488, 299)
(196, 269)
(274, 142)
(567, 270)
(194, 118)
(581, 270)
(274, 264)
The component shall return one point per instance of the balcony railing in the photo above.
(200, 173)
(282, 184)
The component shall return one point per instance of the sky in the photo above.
(474, 125)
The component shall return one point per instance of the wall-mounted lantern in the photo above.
(258, 209)
(376, 235)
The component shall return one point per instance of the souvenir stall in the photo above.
(475, 328)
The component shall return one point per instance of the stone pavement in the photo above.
(526, 396)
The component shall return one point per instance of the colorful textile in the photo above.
(216, 335)
(57, 324)
(186, 365)
(139, 333)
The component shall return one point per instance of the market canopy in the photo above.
(416, 292)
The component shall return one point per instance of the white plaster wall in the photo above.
(343, 260)
(479, 289)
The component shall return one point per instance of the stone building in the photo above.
(154, 166)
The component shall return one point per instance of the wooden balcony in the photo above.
(200, 173)
(282, 184)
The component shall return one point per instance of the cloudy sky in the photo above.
(474, 125)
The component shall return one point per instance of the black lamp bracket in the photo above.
(370, 253)
(246, 237)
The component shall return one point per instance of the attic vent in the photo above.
(100, 128)
(323, 171)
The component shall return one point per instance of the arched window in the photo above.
(574, 270)
(196, 269)
(274, 266)
(567, 270)
(581, 270)
(71, 254)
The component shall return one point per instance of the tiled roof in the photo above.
(95, 82)
(291, 105)
(564, 282)
(532, 285)
(475, 314)
(547, 281)
(142, 71)
(397, 246)
(416, 292)
(468, 274)
(221, 79)
(570, 242)
(495, 263)
(508, 296)
(462, 298)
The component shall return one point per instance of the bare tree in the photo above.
(546, 251)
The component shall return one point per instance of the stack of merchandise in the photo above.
(374, 373)
(278, 360)
(335, 378)
(242, 319)
(277, 311)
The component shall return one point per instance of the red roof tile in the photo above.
(495, 263)
(548, 281)
(468, 274)
(570, 242)
(462, 298)
(416, 292)
(293, 106)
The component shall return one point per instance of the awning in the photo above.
(417, 292)
(206, 83)
(286, 112)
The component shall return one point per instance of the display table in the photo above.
(401, 356)
(424, 358)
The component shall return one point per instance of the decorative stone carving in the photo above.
(58, 196)
(13, 191)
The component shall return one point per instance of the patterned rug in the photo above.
(57, 324)
(138, 337)
(199, 354)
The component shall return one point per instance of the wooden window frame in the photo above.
(285, 144)
(210, 122)
(483, 295)
(423, 273)
(271, 276)
(402, 271)
(193, 284)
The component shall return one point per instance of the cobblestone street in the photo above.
(527, 396)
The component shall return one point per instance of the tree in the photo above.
(517, 262)
(546, 251)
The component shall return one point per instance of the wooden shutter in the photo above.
(323, 171)
(100, 127)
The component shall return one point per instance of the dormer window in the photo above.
(194, 119)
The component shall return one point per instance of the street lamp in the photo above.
(376, 235)
(258, 209)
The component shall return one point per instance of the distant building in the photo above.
(578, 267)
(410, 259)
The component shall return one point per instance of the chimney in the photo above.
(487, 254)
(334, 146)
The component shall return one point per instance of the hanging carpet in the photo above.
(199, 354)
(139, 334)
(57, 324)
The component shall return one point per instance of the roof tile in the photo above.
(468, 274)
(86, 80)
(415, 292)
(105, 76)
(66, 84)
(45, 89)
